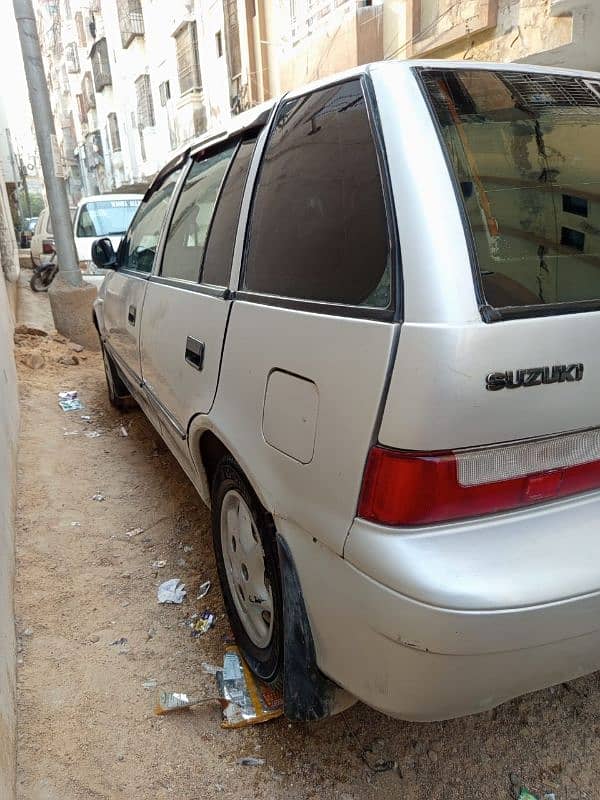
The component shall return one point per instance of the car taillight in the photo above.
(47, 247)
(407, 488)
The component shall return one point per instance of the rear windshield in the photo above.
(525, 150)
(106, 217)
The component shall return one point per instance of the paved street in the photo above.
(92, 633)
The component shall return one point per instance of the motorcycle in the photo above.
(44, 274)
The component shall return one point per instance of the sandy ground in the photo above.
(87, 727)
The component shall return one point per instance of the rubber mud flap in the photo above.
(307, 694)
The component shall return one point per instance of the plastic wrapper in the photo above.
(171, 591)
(179, 701)
(244, 700)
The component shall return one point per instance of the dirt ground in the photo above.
(91, 633)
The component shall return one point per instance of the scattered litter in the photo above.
(76, 524)
(202, 624)
(159, 564)
(86, 418)
(171, 591)
(92, 434)
(151, 683)
(251, 761)
(187, 548)
(70, 433)
(525, 795)
(134, 532)
(177, 701)
(549, 796)
(123, 432)
(27, 632)
(119, 642)
(69, 401)
(203, 590)
(181, 562)
(244, 701)
(210, 669)
(99, 497)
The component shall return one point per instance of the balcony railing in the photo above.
(131, 20)
(100, 65)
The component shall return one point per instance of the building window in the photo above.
(219, 43)
(72, 57)
(80, 27)
(87, 90)
(131, 20)
(67, 6)
(145, 106)
(113, 131)
(81, 108)
(435, 23)
(164, 91)
(100, 65)
(188, 62)
(232, 38)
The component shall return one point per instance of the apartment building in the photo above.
(133, 81)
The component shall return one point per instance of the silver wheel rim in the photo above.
(244, 559)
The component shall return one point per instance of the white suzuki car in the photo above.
(365, 319)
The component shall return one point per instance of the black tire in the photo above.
(265, 662)
(39, 281)
(118, 394)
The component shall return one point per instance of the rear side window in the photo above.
(219, 251)
(525, 151)
(138, 248)
(318, 229)
(188, 231)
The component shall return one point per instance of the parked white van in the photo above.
(102, 215)
(365, 319)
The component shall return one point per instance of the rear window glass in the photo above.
(525, 150)
(106, 217)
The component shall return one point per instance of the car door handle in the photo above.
(194, 353)
(131, 315)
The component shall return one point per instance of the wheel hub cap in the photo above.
(244, 559)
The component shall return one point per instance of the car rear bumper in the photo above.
(429, 659)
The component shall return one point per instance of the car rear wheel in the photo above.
(248, 566)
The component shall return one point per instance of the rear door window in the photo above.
(184, 248)
(318, 229)
(525, 152)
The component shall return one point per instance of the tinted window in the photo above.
(105, 217)
(189, 227)
(318, 228)
(139, 246)
(524, 149)
(219, 251)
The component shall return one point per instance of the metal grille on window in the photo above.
(145, 106)
(164, 91)
(72, 58)
(113, 130)
(131, 20)
(188, 63)
(87, 90)
(100, 65)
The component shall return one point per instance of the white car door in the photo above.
(187, 302)
(124, 289)
(314, 324)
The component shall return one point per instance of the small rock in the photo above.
(29, 330)
(27, 632)
(120, 757)
(58, 337)
(433, 756)
(34, 360)
(251, 761)
(69, 361)
(94, 638)
(126, 574)
(77, 348)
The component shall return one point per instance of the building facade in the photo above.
(133, 81)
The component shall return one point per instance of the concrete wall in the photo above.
(9, 419)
